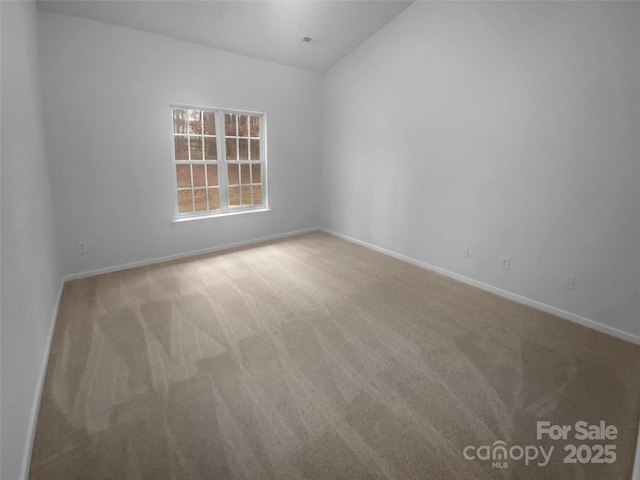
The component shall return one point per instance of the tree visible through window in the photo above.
(219, 161)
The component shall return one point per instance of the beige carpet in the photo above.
(311, 357)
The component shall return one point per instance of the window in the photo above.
(219, 158)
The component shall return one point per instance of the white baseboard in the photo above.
(192, 253)
(33, 421)
(587, 322)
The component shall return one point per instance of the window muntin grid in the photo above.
(218, 170)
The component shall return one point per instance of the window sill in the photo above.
(199, 218)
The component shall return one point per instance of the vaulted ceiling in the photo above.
(269, 30)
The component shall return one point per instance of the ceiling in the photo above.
(266, 29)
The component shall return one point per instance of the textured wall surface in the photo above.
(508, 128)
(31, 271)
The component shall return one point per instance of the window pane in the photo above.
(181, 149)
(255, 149)
(244, 148)
(231, 149)
(254, 123)
(256, 176)
(234, 196)
(183, 172)
(257, 195)
(195, 144)
(198, 176)
(198, 180)
(195, 122)
(243, 126)
(214, 199)
(184, 201)
(230, 124)
(179, 121)
(232, 174)
(244, 173)
(246, 195)
(209, 123)
(210, 148)
(212, 175)
(200, 199)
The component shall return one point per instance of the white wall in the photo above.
(31, 272)
(507, 127)
(107, 92)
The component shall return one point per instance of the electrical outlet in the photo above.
(505, 262)
(465, 252)
(83, 246)
(569, 283)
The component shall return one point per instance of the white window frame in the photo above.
(222, 162)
